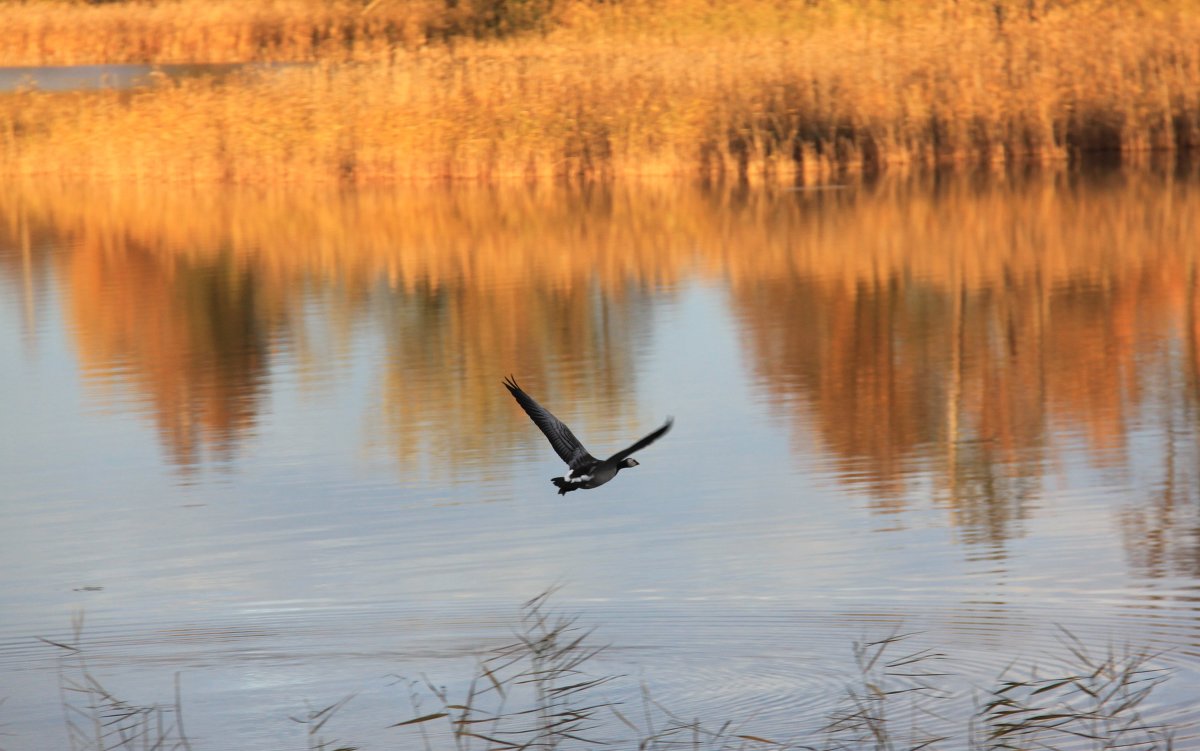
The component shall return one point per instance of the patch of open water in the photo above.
(118, 76)
(260, 441)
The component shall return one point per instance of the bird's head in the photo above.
(631, 462)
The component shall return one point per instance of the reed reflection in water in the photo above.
(988, 358)
(985, 377)
(952, 329)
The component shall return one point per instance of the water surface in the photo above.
(126, 76)
(259, 440)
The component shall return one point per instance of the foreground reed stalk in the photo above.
(789, 92)
(540, 693)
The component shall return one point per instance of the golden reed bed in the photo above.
(774, 90)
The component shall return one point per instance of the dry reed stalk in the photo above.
(61, 32)
(780, 95)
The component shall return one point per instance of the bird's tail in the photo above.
(563, 485)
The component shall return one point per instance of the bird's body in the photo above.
(591, 476)
(586, 470)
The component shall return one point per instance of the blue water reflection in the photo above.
(261, 439)
(116, 76)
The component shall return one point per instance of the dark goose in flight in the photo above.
(586, 470)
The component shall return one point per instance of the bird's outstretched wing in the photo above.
(621, 455)
(560, 436)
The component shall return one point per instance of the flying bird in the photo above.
(586, 470)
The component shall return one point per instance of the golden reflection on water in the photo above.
(948, 327)
(189, 337)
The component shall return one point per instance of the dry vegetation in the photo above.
(758, 89)
(69, 32)
(545, 691)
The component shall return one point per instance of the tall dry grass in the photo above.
(752, 89)
(66, 32)
(548, 690)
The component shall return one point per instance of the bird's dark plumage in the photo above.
(586, 470)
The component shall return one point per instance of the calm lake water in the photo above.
(121, 77)
(258, 442)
